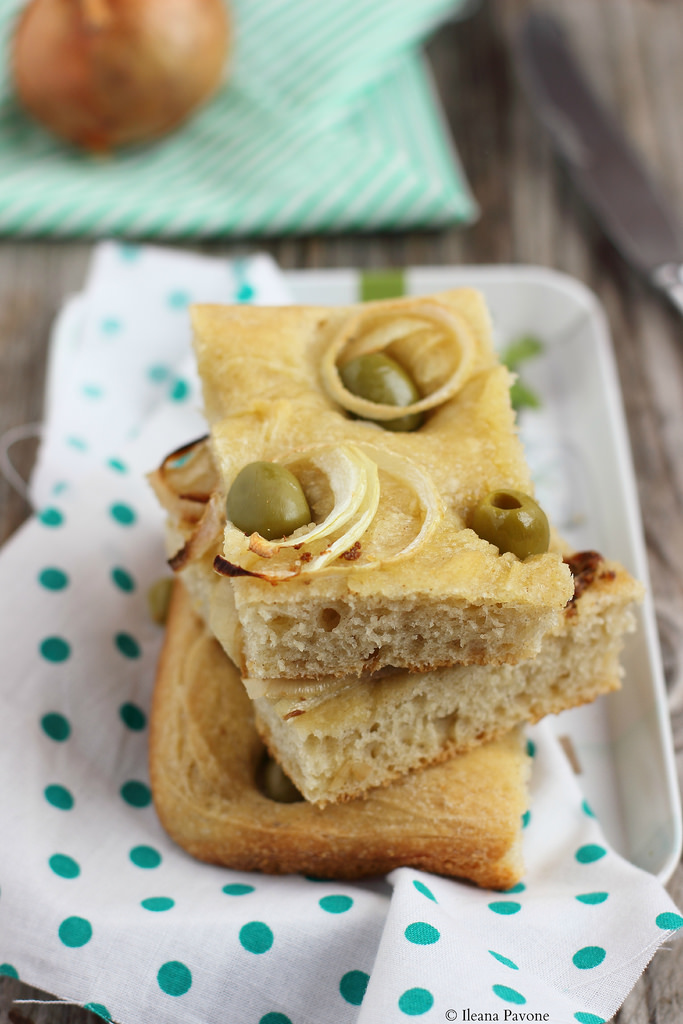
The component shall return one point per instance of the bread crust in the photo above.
(461, 818)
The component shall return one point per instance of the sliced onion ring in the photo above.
(205, 536)
(403, 469)
(183, 452)
(182, 505)
(382, 335)
(423, 487)
(354, 480)
(359, 475)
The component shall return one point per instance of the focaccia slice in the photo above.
(408, 584)
(339, 737)
(461, 818)
(338, 741)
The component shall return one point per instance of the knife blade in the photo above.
(603, 164)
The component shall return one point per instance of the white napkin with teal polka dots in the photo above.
(97, 905)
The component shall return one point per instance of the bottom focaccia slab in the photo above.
(461, 818)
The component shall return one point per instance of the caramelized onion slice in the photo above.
(185, 480)
(190, 470)
(206, 535)
(370, 331)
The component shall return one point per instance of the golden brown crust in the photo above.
(461, 818)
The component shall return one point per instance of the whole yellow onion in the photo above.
(106, 73)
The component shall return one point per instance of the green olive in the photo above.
(379, 378)
(513, 522)
(267, 498)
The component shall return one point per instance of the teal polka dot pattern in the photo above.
(136, 794)
(520, 887)
(275, 1018)
(117, 465)
(145, 857)
(416, 1001)
(64, 866)
(504, 960)
(505, 907)
(588, 1018)
(51, 517)
(56, 726)
(422, 934)
(8, 971)
(93, 390)
(158, 904)
(587, 809)
(158, 373)
(127, 645)
(336, 904)
(53, 579)
(178, 299)
(98, 1009)
(122, 514)
(75, 932)
(530, 748)
(421, 887)
(509, 995)
(179, 391)
(77, 443)
(59, 797)
(588, 957)
(133, 717)
(668, 921)
(110, 325)
(174, 978)
(237, 889)
(526, 818)
(592, 898)
(589, 853)
(123, 580)
(256, 937)
(55, 649)
(353, 985)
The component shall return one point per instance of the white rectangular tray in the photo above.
(577, 444)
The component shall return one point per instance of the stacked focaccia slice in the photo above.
(458, 818)
(384, 644)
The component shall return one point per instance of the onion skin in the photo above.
(107, 73)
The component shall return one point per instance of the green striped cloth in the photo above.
(328, 122)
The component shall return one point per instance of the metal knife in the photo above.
(609, 174)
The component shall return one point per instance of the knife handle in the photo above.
(668, 277)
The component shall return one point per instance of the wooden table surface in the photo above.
(530, 214)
